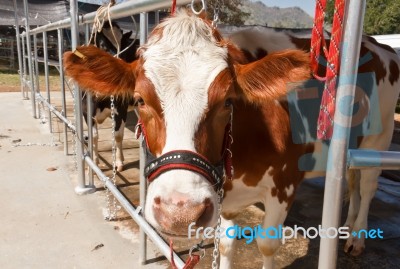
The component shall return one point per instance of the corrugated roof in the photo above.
(40, 11)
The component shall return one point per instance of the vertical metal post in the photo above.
(144, 23)
(337, 154)
(89, 102)
(144, 27)
(62, 85)
(82, 188)
(46, 75)
(142, 195)
(29, 52)
(18, 47)
(36, 69)
(25, 93)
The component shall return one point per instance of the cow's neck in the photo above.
(263, 147)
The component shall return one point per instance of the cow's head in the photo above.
(112, 40)
(186, 81)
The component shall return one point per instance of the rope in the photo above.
(103, 13)
(327, 109)
(317, 37)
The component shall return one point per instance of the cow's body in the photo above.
(102, 106)
(377, 61)
(187, 81)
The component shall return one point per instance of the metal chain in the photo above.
(220, 193)
(215, 254)
(42, 114)
(112, 208)
(101, 14)
(74, 135)
(217, 9)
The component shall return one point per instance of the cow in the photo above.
(196, 92)
(106, 41)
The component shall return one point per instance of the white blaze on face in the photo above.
(181, 65)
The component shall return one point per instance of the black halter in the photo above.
(188, 160)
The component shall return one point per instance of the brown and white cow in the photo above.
(188, 80)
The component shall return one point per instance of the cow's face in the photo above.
(184, 92)
(185, 82)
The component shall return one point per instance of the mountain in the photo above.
(260, 14)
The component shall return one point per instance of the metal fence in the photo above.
(7, 52)
(28, 66)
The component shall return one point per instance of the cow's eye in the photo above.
(228, 102)
(139, 101)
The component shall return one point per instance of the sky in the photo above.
(307, 5)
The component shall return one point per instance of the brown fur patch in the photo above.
(273, 76)
(151, 114)
(375, 65)
(394, 72)
(210, 134)
(262, 141)
(99, 72)
(266, 250)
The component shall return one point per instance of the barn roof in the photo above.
(40, 11)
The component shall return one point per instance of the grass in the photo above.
(8, 79)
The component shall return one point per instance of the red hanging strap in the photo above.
(317, 36)
(327, 109)
(173, 7)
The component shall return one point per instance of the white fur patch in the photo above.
(181, 65)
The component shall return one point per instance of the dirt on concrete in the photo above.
(5, 88)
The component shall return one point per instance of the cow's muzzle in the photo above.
(174, 215)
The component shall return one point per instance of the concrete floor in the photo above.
(45, 224)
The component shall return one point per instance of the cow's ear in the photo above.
(97, 71)
(127, 35)
(273, 76)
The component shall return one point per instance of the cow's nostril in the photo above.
(157, 200)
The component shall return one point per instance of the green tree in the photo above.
(381, 16)
(230, 11)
